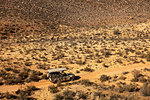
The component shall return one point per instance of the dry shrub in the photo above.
(1, 82)
(26, 93)
(68, 95)
(44, 76)
(15, 70)
(81, 95)
(86, 82)
(2, 95)
(122, 77)
(142, 79)
(98, 95)
(136, 75)
(129, 88)
(53, 89)
(58, 97)
(8, 69)
(145, 90)
(87, 69)
(23, 75)
(104, 78)
(28, 63)
(22, 95)
(10, 96)
(146, 69)
(34, 77)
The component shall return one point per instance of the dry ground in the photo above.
(89, 37)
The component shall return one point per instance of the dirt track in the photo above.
(91, 76)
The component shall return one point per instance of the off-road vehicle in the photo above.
(58, 75)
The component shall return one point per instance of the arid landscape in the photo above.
(105, 43)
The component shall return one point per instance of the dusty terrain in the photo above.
(106, 43)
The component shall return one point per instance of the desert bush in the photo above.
(148, 80)
(142, 79)
(22, 95)
(136, 75)
(129, 88)
(58, 97)
(107, 54)
(104, 78)
(53, 89)
(1, 82)
(99, 61)
(3, 73)
(34, 77)
(146, 69)
(36, 72)
(77, 71)
(43, 66)
(124, 73)
(81, 62)
(15, 70)
(87, 69)
(27, 70)
(116, 32)
(98, 95)
(135, 79)
(69, 95)
(44, 76)
(86, 82)
(8, 69)
(122, 77)
(10, 96)
(81, 95)
(31, 88)
(9, 82)
(28, 63)
(26, 93)
(145, 90)
(23, 75)
(2, 95)
(105, 65)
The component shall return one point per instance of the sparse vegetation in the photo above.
(145, 90)
(31, 42)
(104, 78)
(53, 89)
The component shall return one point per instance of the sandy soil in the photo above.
(91, 76)
(108, 36)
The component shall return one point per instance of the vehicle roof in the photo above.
(56, 70)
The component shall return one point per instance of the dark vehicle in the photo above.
(58, 75)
